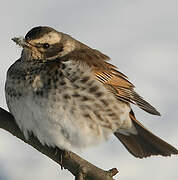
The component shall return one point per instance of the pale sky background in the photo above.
(141, 37)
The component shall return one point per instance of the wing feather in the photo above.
(112, 79)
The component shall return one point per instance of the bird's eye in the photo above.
(46, 45)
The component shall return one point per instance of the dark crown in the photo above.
(38, 32)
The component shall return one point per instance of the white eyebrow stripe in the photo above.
(50, 38)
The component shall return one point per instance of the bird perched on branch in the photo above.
(69, 96)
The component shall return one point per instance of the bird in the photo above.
(70, 96)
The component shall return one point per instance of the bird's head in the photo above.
(45, 43)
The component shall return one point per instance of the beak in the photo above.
(21, 42)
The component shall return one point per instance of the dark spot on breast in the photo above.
(99, 94)
(63, 66)
(93, 89)
(60, 74)
(86, 116)
(108, 110)
(76, 86)
(29, 81)
(108, 125)
(62, 83)
(85, 98)
(30, 77)
(69, 69)
(85, 79)
(39, 93)
(111, 114)
(66, 96)
(73, 79)
(76, 95)
(82, 88)
(106, 103)
(14, 94)
(55, 86)
(90, 83)
(97, 114)
(55, 79)
(49, 82)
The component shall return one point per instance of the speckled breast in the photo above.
(62, 103)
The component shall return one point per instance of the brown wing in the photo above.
(113, 80)
(117, 83)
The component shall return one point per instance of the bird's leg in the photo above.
(63, 155)
(61, 159)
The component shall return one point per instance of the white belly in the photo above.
(55, 128)
(54, 124)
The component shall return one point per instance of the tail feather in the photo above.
(145, 143)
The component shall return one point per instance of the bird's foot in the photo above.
(63, 154)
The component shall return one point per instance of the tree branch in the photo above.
(80, 168)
